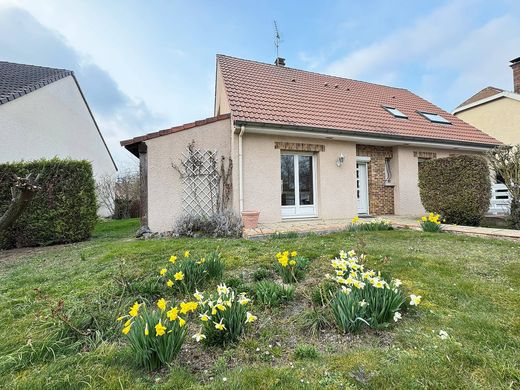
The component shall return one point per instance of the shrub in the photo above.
(272, 294)
(290, 266)
(126, 208)
(314, 320)
(365, 297)
(185, 274)
(357, 225)
(261, 273)
(223, 316)
(431, 223)
(63, 211)
(156, 335)
(457, 187)
(304, 351)
(224, 224)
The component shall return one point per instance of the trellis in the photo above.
(206, 189)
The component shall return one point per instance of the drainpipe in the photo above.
(240, 169)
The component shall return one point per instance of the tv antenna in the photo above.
(277, 38)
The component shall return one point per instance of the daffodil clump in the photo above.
(290, 266)
(431, 223)
(223, 315)
(184, 272)
(363, 295)
(156, 334)
(358, 224)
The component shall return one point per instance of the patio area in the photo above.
(323, 226)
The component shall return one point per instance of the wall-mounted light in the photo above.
(340, 160)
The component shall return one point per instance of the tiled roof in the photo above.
(482, 94)
(269, 94)
(19, 79)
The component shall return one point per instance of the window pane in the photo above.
(287, 180)
(305, 177)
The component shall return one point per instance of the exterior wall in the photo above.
(165, 189)
(380, 195)
(499, 118)
(336, 186)
(221, 100)
(52, 121)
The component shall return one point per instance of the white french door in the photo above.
(298, 171)
(362, 187)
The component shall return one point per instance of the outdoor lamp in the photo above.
(339, 161)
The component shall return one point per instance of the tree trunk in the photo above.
(23, 191)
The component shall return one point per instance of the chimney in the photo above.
(281, 62)
(515, 65)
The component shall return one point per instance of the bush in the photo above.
(63, 211)
(304, 351)
(272, 294)
(457, 187)
(126, 208)
(224, 224)
(290, 266)
(261, 273)
(358, 225)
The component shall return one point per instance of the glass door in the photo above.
(362, 188)
(298, 185)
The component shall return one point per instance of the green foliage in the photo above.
(261, 273)
(63, 211)
(214, 265)
(431, 223)
(457, 187)
(290, 266)
(304, 351)
(348, 311)
(154, 338)
(272, 294)
(358, 225)
(322, 293)
(314, 320)
(223, 224)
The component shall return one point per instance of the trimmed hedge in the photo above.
(63, 211)
(458, 188)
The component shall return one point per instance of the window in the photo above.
(436, 118)
(395, 112)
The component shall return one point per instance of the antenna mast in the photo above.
(276, 38)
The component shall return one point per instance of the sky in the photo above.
(149, 65)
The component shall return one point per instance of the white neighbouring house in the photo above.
(44, 114)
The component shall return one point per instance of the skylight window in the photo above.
(436, 118)
(395, 112)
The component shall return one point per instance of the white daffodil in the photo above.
(397, 316)
(397, 282)
(415, 300)
(198, 337)
(250, 317)
(198, 295)
(222, 289)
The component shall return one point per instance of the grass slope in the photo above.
(470, 289)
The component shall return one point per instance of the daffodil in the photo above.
(179, 276)
(163, 271)
(161, 304)
(173, 259)
(250, 317)
(243, 300)
(355, 219)
(222, 289)
(397, 282)
(182, 322)
(397, 316)
(201, 261)
(126, 329)
(120, 318)
(160, 329)
(172, 313)
(128, 322)
(169, 283)
(186, 307)
(294, 254)
(219, 325)
(198, 295)
(186, 253)
(204, 317)
(134, 311)
(415, 300)
(292, 262)
(146, 331)
(198, 337)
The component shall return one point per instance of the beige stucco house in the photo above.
(44, 114)
(304, 145)
(494, 110)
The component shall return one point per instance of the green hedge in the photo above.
(459, 188)
(63, 211)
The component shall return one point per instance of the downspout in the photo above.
(240, 170)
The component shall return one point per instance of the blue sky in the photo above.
(148, 65)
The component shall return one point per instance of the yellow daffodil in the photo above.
(134, 311)
(179, 276)
(120, 318)
(220, 306)
(186, 307)
(292, 262)
(146, 331)
(173, 259)
(169, 283)
(355, 219)
(128, 322)
(222, 289)
(160, 329)
(204, 317)
(201, 261)
(198, 295)
(186, 253)
(415, 300)
(163, 271)
(283, 261)
(250, 317)
(294, 254)
(243, 300)
(220, 325)
(161, 304)
(126, 329)
(424, 219)
(182, 322)
(172, 313)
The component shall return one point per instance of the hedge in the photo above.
(458, 188)
(63, 211)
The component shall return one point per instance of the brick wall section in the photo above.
(380, 197)
(516, 77)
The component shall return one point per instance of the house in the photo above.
(494, 110)
(303, 145)
(44, 114)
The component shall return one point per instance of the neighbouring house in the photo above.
(494, 110)
(303, 145)
(44, 114)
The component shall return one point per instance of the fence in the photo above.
(500, 200)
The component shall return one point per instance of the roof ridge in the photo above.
(311, 72)
(36, 66)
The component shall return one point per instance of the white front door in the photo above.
(362, 187)
(298, 173)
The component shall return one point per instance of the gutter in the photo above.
(240, 169)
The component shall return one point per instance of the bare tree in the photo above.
(106, 192)
(22, 192)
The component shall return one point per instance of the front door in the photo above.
(298, 185)
(362, 187)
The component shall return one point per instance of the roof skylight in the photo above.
(395, 112)
(436, 118)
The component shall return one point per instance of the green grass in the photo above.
(470, 288)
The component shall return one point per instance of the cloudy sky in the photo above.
(148, 65)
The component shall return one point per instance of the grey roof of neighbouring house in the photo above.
(20, 79)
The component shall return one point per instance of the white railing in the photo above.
(500, 200)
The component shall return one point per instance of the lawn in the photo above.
(59, 305)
